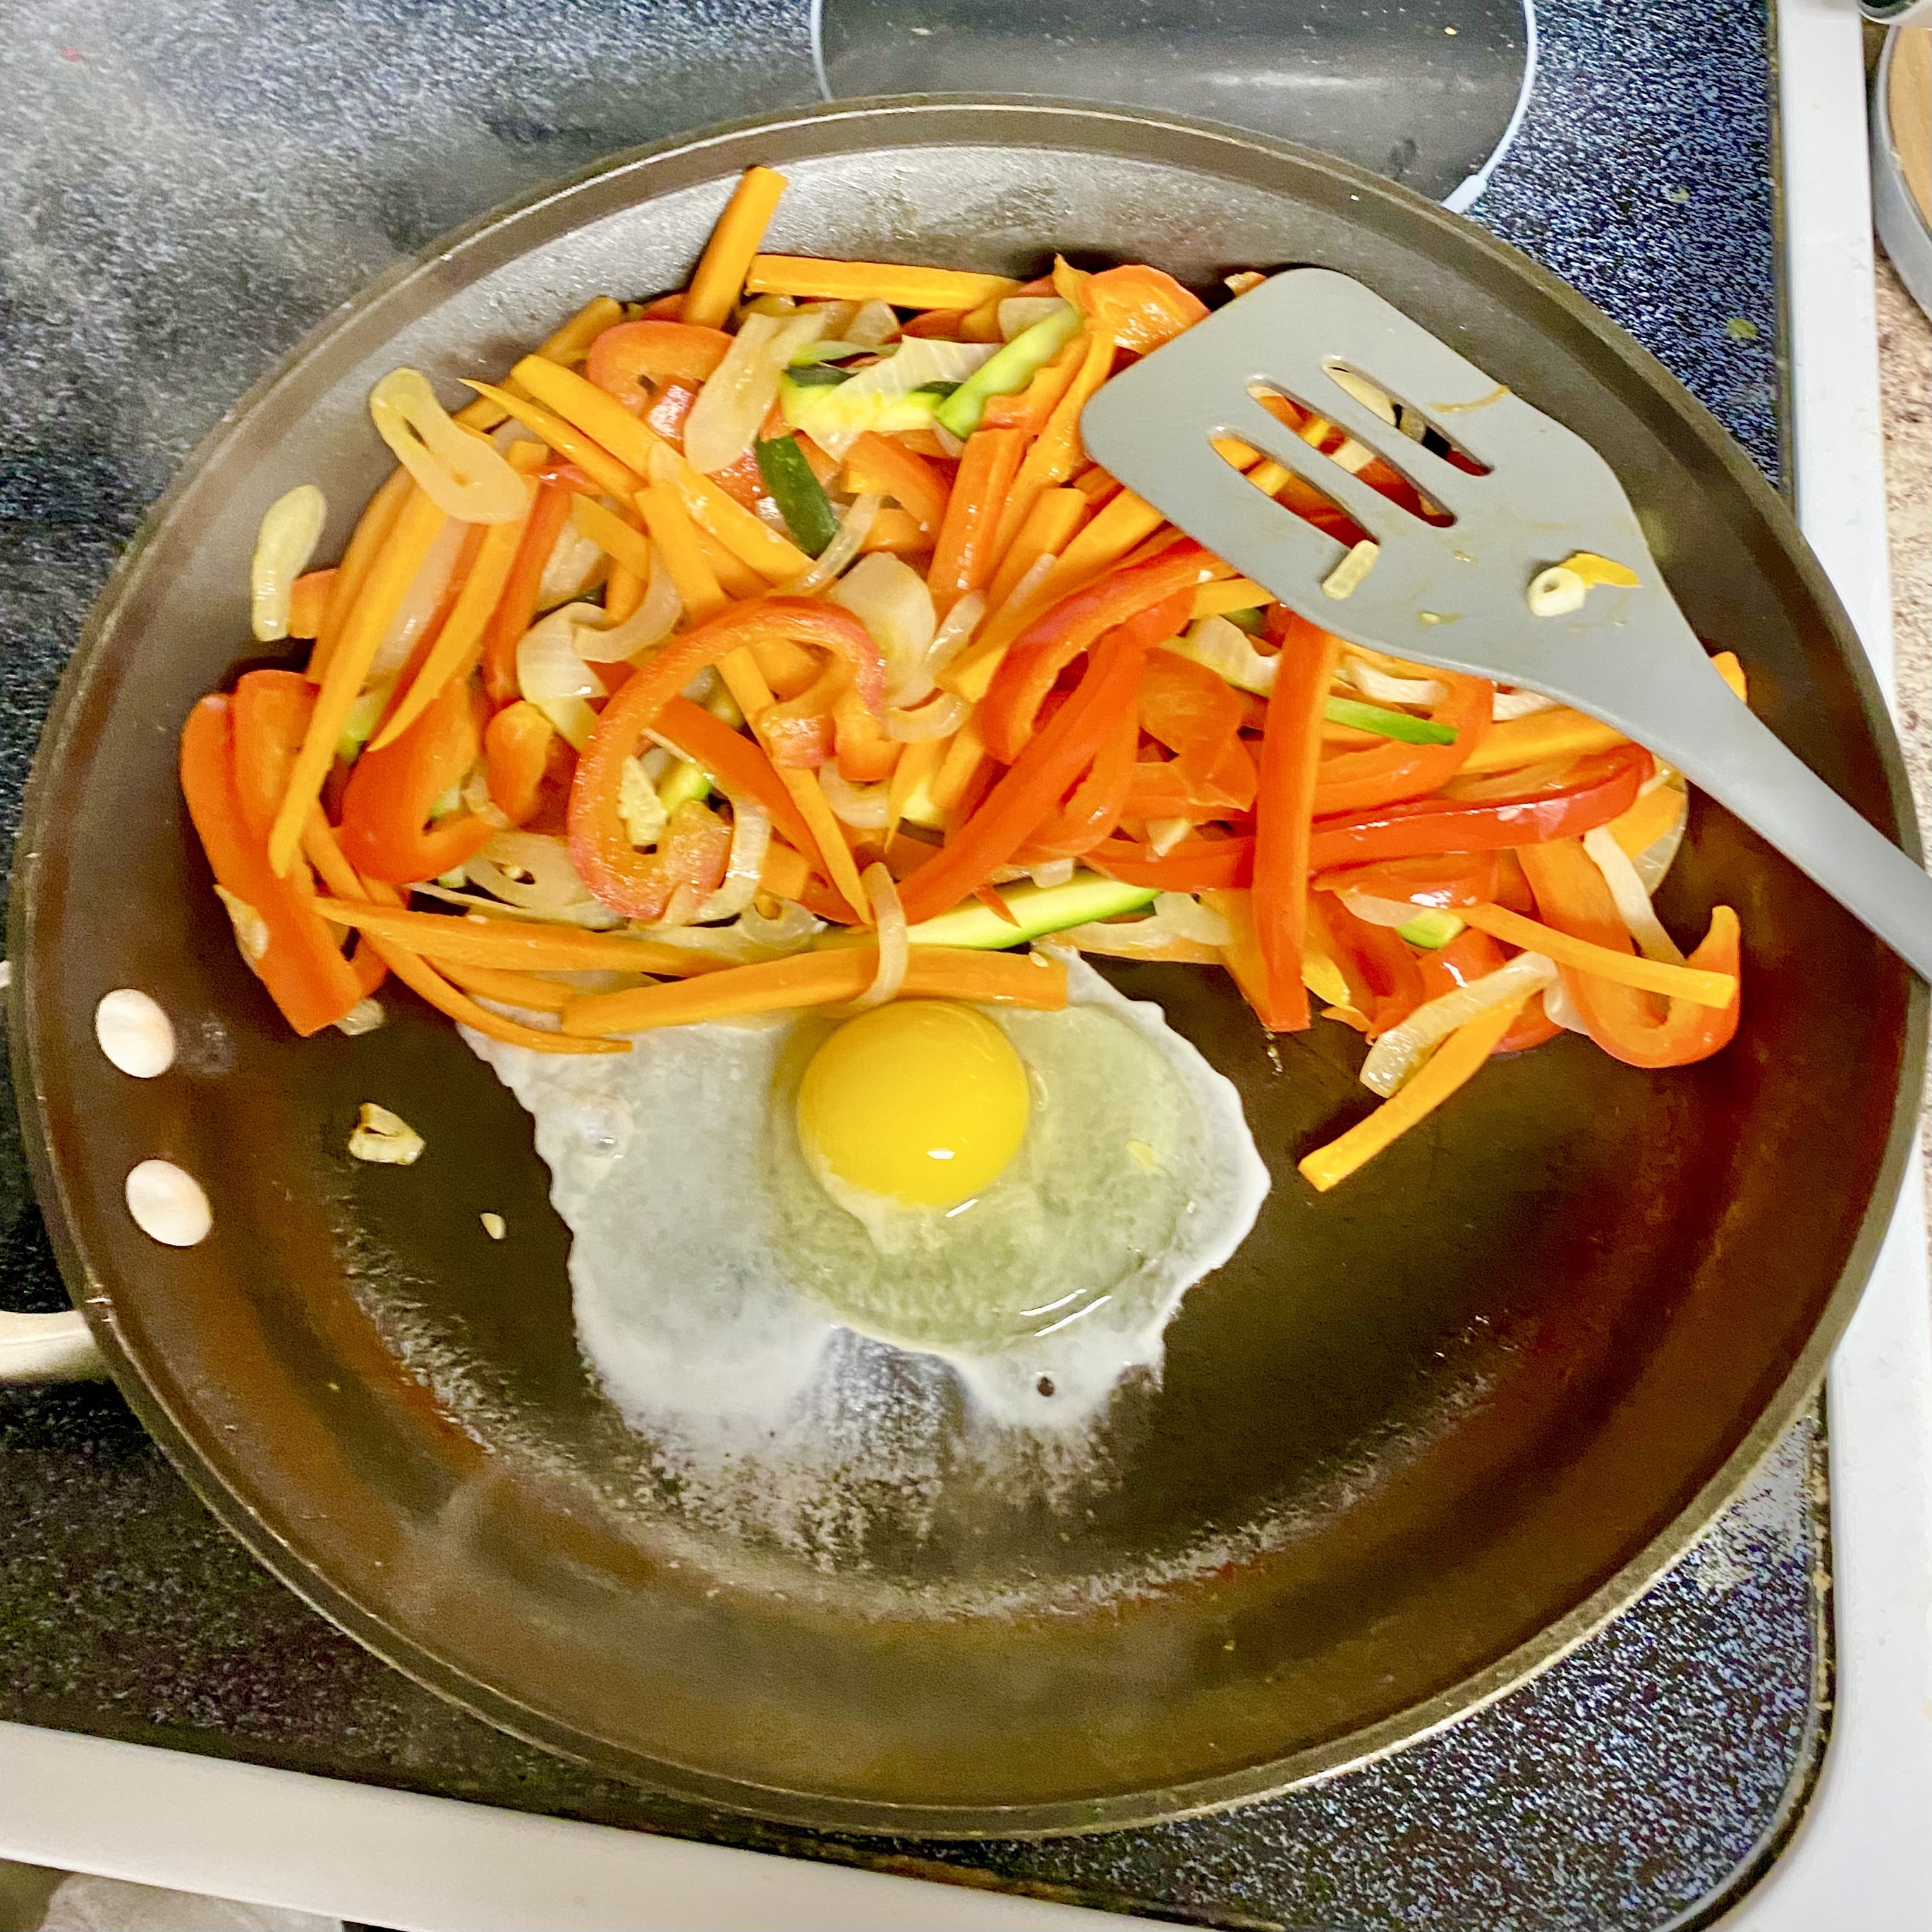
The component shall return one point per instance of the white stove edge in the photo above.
(1862, 1858)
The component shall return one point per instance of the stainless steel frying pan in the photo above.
(1420, 1436)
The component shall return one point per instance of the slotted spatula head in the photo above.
(1452, 586)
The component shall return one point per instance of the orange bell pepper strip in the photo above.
(1032, 786)
(877, 464)
(1194, 866)
(1034, 662)
(1386, 773)
(270, 717)
(512, 945)
(600, 848)
(516, 750)
(1291, 753)
(963, 556)
(516, 609)
(865, 755)
(1596, 790)
(1199, 718)
(622, 360)
(293, 951)
(1627, 1022)
(386, 832)
(1140, 308)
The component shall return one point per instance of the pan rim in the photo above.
(899, 120)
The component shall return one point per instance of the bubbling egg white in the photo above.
(718, 1264)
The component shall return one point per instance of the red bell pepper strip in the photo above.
(1629, 1025)
(386, 831)
(639, 884)
(1290, 755)
(516, 750)
(1444, 881)
(1194, 866)
(622, 360)
(290, 948)
(1010, 709)
(1385, 980)
(1051, 759)
(1139, 307)
(1199, 717)
(1596, 789)
(1094, 808)
(1382, 774)
(517, 609)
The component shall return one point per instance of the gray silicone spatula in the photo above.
(1457, 594)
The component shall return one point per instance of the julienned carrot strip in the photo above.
(1652, 976)
(417, 528)
(515, 945)
(823, 979)
(734, 763)
(592, 413)
(1056, 451)
(1056, 515)
(1120, 523)
(460, 643)
(675, 537)
(1032, 409)
(875, 463)
(371, 534)
(308, 602)
(584, 450)
(512, 989)
(746, 683)
(423, 979)
(962, 559)
(963, 756)
(623, 592)
(775, 558)
(736, 578)
(728, 255)
(1458, 1057)
(612, 534)
(516, 608)
(569, 346)
(1291, 756)
(899, 284)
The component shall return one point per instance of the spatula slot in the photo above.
(1312, 504)
(1319, 429)
(1415, 422)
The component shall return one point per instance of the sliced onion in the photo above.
(890, 599)
(864, 807)
(875, 325)
(740, 392)
(1634, 905)
(751, 840)
(1657, 858)
(1035, 575)
(551, 672)
(1165, 834)
(576, 564)
(1384, 689)
(465, 476)
(949, 445)
(889, 922)
(917, 360)
(937, 718)
(1226, 650)
(476, 798)
(1372, 911)
(1400, 1051)
(1018, 314)
(1187, 918)
(790, 930)
(639, 805)
(1054, 872)
(953, 637)
(597, 917)
(529, 869)
(420, 602)
(853, 529)
(1560, 1009)
(1508, 704)
(650, 623)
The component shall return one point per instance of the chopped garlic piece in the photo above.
(1556, 592)
(643, 813)
(494, 1225)
(291, 527)
(384, 1138)
(365, 1016)
(1343, 581)
(251, 929)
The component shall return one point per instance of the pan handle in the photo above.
(48, 1348)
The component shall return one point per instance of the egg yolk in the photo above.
(919, 1101)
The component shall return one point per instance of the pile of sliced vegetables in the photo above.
(775, 644)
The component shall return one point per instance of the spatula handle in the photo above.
(1724, 750)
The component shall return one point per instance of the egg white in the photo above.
(717, 1285)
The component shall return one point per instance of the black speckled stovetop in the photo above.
(187, 187)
